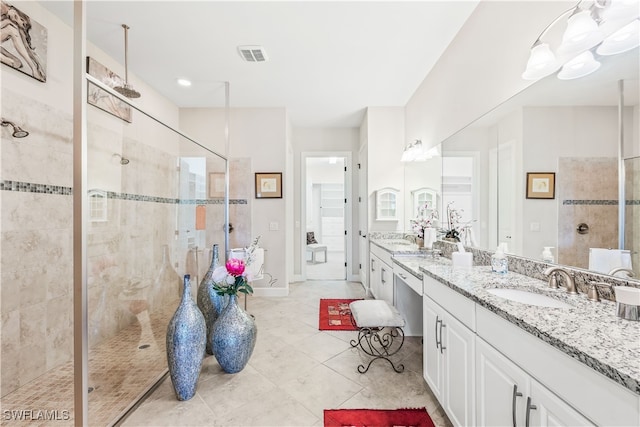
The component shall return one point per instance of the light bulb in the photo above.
(626, 38)
(542, 62)
(582, 33)
(579, 66)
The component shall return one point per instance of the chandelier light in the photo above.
(584, 36)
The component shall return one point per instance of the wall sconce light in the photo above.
(586, 31)
(415, 152)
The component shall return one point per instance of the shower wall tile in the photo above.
(590, 186)
(21, 210)
(10, 351)
(59, 332)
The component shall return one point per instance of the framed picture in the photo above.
(216, 184)
(100, 98)
(24, 43)
(268, 185)
(541, 185)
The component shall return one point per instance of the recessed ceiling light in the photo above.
(184, 82)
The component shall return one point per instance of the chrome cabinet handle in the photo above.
(442, 325)
(382, 271)
(437, 342)
(516, 394)
(529, 408)
(373, 267)
(402, 275)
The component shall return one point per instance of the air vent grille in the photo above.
(252, 53)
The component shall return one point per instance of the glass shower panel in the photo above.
(631, 154)
(151, 221)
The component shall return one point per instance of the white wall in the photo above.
(550, 133)
(480, 69)
(262, 135)
(386, 141)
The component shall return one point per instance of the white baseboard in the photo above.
(353, 278)
(271, 292)
(297, 278)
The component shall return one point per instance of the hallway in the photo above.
(295, 373)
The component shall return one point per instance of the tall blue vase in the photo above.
(233, 337)
(209, 302)
(186, 341)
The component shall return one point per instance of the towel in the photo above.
(604, 260)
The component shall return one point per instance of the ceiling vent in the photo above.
(253, 53)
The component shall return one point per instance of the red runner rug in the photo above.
(377, 418)
(335, 315)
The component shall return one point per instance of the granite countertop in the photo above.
(588, 332)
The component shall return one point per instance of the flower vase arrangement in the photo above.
(456, 228)
(234, 333)
(427, 218)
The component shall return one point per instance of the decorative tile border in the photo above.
(599, 202)
(28, 187)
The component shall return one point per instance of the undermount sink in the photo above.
(526, 297)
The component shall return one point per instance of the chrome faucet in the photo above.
(569, 278)
(628, 271)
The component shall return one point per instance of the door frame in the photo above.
(348, 209)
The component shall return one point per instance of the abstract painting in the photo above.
(24, 43)
(100, 98)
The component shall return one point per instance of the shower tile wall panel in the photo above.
(587, 190)
(36, 253)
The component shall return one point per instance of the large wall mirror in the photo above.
(543, 170)
(423, 184)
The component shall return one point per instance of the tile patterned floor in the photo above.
(296, 372)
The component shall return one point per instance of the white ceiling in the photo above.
(328, 61)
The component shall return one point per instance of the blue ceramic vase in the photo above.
(209, 302)
(233, 337)
(186, 341)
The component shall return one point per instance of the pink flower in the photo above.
(235, 267)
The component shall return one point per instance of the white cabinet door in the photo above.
(374, 275)
(431, 356)
(546, 409)
(386, 283)
(458, 351)
(502, 389)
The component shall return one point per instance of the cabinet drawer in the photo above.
(381, 253)
(408, 278)
(458, 305)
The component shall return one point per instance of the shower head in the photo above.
(126, 89)
(123, 160)
(18, 132)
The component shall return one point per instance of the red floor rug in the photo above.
(335, 315)
(377, 418)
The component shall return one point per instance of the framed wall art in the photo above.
(541, 185)
(24, 43)
(216, 184)
(268, 185)
(100, 98)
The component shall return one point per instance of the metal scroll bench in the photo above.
(317, 247)
(380, 333)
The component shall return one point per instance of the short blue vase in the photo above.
(233, 337)
(186, 341)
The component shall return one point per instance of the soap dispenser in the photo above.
(547, 256)
(499, 262)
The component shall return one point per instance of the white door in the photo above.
(458, 349)
(431, 357)
(363, 204)
(502, 389)
(546, 409)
